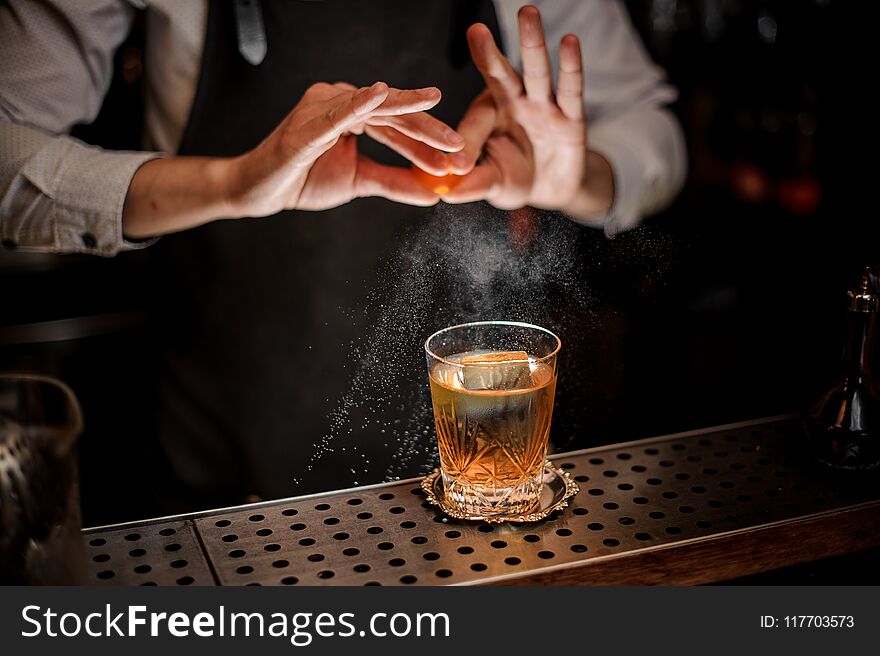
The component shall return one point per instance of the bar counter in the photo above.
(698, 507)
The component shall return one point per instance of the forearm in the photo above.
(175, 193)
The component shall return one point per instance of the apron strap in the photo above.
(250, 30)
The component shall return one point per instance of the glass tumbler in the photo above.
(492, 390)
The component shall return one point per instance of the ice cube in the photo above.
(496, 370)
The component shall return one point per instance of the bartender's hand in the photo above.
(310, 161)
(525, 145)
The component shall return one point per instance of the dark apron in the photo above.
(254, 318)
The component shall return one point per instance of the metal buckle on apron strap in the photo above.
(251, 32)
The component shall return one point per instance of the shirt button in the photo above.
(9, 245)
(89, 240)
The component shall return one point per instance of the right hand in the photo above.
(310, 161)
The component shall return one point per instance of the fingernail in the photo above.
(454, 137)
(430, 91)
(459, 161)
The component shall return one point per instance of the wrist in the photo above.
(252, 184)
(224, 176)
(595, 195)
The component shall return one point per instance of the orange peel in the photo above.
(439, 184)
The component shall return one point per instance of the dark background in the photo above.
(727, 306)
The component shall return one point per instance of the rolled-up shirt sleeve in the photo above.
(647, 156)
(58, 194)
(625, 97)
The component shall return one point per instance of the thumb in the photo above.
(476, 127)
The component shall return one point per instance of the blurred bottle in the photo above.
(844, 425)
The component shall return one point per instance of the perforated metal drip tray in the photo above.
(148, 553)
(646, 497)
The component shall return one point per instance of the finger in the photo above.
(346, 110)
(394, 183)
(476, 185)
(403, 102)
(425, 128)
(535, 60)
(501, 79)
(342, 111)
(570, 85)
(426, 158)
(407, 101)
(476, 127)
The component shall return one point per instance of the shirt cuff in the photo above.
(88, 187)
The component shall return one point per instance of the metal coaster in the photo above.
(558, 489)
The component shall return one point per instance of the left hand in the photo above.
(532, 146)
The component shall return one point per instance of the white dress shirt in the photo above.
(58, 194)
